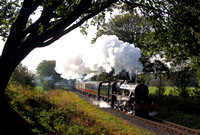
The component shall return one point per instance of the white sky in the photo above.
(56, 51)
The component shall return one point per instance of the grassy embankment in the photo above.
(177, 109)
(63, 112)
(168, 90)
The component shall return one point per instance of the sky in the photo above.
(58, 49)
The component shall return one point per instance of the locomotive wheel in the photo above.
(116, 105)
(113, 102)
(128, 109)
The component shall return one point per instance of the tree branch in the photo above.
(37, 40)
(46, 15)
(60, 34)
(16, 33)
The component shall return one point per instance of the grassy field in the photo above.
(63, 112)
(168, 90)
(183, 111)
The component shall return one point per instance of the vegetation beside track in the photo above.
(63, 112)
(176, 109)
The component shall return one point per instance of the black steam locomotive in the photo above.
(123, 95)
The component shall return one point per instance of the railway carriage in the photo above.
(123, 95)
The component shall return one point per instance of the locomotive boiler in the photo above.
(123, 95)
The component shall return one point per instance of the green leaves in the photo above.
(9, 10)
(23, 76)
(174, 32)
(127, 27)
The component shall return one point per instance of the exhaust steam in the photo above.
(108, 52)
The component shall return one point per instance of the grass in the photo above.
(183, 111)
(63, 112)
(116, 125)
(168, 90)
(179, 117)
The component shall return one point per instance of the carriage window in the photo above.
(91, 87)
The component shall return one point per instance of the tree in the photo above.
(58, 18)
(47, 74)
(46, 68)
(131, 28)
(173, 29)
(182, 76)
(160, 70)
(128, 27)
(123, 75)
(176, 27)
(104, 76)
(9, 10)
(23, 76)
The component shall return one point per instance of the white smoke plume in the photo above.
(101, 104)
(108, 52)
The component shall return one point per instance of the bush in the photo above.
(22, 76)
(63, 112)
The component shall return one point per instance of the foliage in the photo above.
(23, 76)
(104, 76)
(58, 18)
(196, 92)
(46, 68)
(48, 85)
(129, 28)
(64, 112)
(196, 66)
(158, 69)
(177, 110)
(47, 74)
(160, 88)
(9, 10)
(182, 76)
(122, 75)
(171, 91)
(175, 27)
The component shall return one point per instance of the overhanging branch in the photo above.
(60, 34)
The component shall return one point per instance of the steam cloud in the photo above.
(108, 52)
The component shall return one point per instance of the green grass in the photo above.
(63, 112)
(174, 108)
(116, 125)
(185, 119)
(168, 90)
(39, 88)
(153, 89)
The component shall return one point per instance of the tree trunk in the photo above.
(7, 66)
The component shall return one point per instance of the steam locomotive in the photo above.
(123, 95)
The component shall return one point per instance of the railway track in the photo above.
(166, 125)
(175, 128)
(162, 125)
